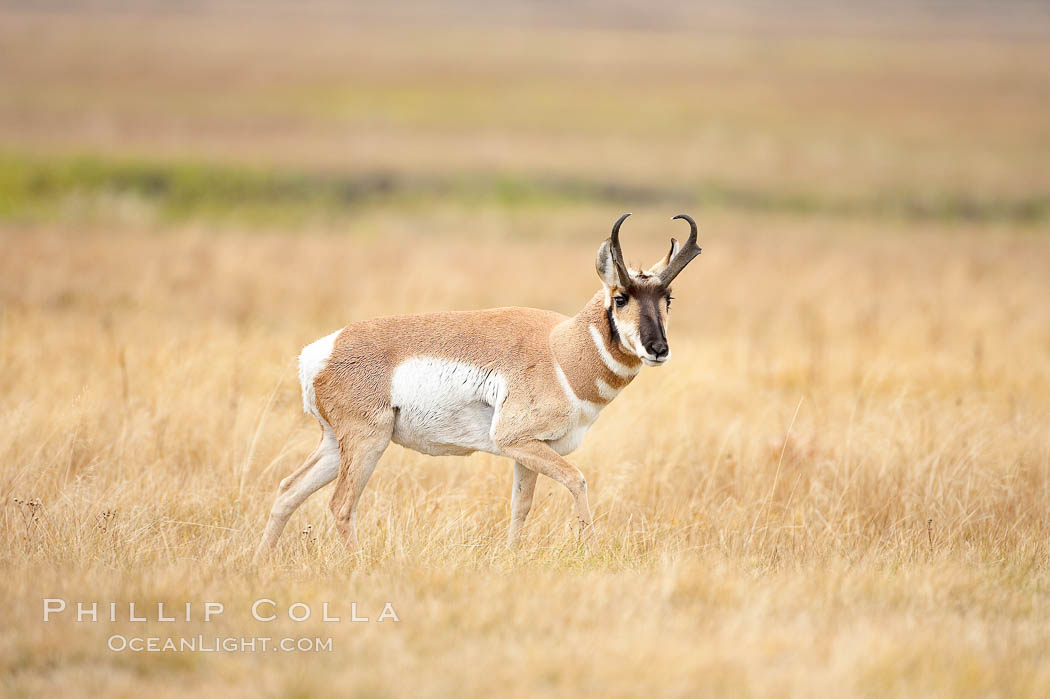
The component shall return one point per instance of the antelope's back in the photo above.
(430, 365)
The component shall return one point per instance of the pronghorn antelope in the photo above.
(516, 382)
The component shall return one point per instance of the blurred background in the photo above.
(281, 114)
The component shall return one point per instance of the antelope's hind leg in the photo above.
(520, 500)
(360, 446)
(317, 471)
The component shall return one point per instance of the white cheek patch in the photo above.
(631, 338)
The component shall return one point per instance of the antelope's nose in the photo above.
(658, 349)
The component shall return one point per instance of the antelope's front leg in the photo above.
(520, 500)
(541, 458)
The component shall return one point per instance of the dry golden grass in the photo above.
(762, 503)
(839, 485)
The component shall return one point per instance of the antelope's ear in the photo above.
(606, 266)
(662, 264)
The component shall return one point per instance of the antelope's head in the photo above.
(637, 302)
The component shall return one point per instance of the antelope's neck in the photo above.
(593, 362)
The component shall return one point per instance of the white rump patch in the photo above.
(621, 370)
(312, 361)
(446, 407)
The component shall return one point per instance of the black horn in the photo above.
(685, 255)
(617, 253)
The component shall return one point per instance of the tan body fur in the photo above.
(517, 382)
(356, 383)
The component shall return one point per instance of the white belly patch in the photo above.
(446, 407)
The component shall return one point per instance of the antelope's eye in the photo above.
(620, 300)
(669, 299)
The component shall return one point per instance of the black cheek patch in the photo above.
(614, 335)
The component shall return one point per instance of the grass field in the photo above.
(838, 486)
